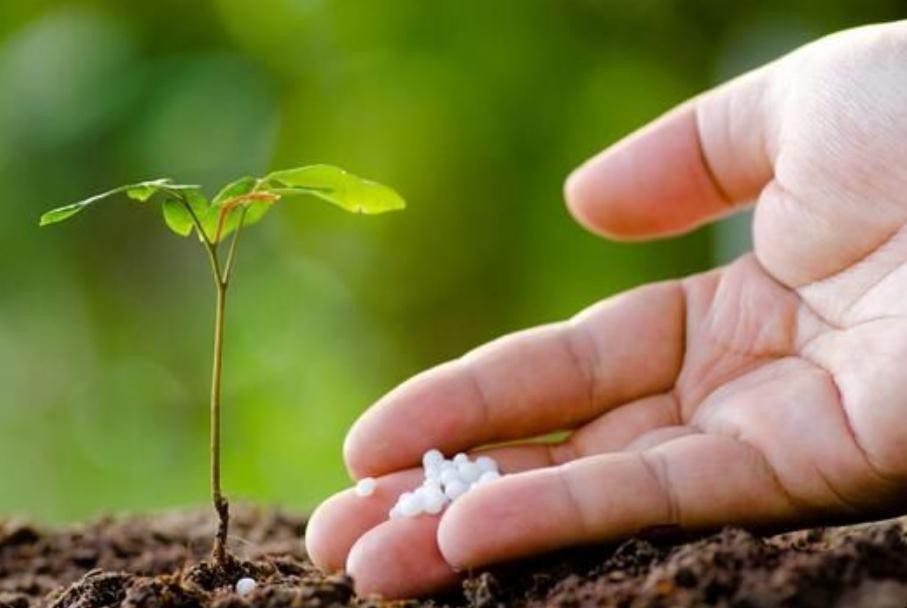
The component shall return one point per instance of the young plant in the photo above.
(239, 204)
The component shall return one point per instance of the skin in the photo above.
(769, 392)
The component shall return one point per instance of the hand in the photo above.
(770, 391)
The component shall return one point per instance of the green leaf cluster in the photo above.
(246, 200)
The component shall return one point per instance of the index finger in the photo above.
(529, 383)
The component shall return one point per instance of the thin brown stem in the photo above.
(210, 248)
(220, 503)
(215, 265)
(228, 266)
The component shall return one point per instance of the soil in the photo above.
(159, 562)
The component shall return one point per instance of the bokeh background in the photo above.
(475, 110)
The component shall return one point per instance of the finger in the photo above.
(340, 531)
(400, 558)
(530, 383)
(695, 481)
(696, 163)
(339, 521)
(619, 429)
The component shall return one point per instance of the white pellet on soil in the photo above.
(365, 487)
(445, 481)
(245, 586)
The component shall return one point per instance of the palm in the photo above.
(795, 353)
(765, 377)
(768, 391)
(819, 391)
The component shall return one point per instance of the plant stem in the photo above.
(220, 503)
(221, 281)
(228, 266)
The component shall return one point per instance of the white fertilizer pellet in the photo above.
(365, 487)
(445, 481)
(489, 476)
(434, 500)
(486, 464)
(432, 459)
(245, 586)
(469, 471)
(455, 489)
(449, 475)
(411, 504)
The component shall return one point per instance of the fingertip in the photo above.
(583, 200)
(572, 191)
(384, 437)
(320, 543)
(474, 527)
(364, 581)
(342, 519)
(353, 455)
(400, 559)
(601, 201)
(652, 183)
(425, 412)
(370, 446)
(453, 544)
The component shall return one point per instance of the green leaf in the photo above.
(247, 198)
(67, 211)
(177, 217)
(243, 185)
(233, 195)
(209, 222)
(255, 211)
(336, 186)
(59, 214)
(141, 191)
(145, 190)
(201, 208)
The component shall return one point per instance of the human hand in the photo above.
(769, 391)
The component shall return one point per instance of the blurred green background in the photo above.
(474, 110)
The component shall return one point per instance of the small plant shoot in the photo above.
(238, 205)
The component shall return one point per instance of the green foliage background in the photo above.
(474, 110)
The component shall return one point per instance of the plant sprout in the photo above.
(239, 204)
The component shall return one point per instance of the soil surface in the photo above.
(160, 562)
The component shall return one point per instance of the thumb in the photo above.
(702, 160)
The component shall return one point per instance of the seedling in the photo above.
(239, 204)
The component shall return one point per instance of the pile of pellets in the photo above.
(445, 481)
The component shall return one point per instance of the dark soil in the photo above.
(160, 562)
